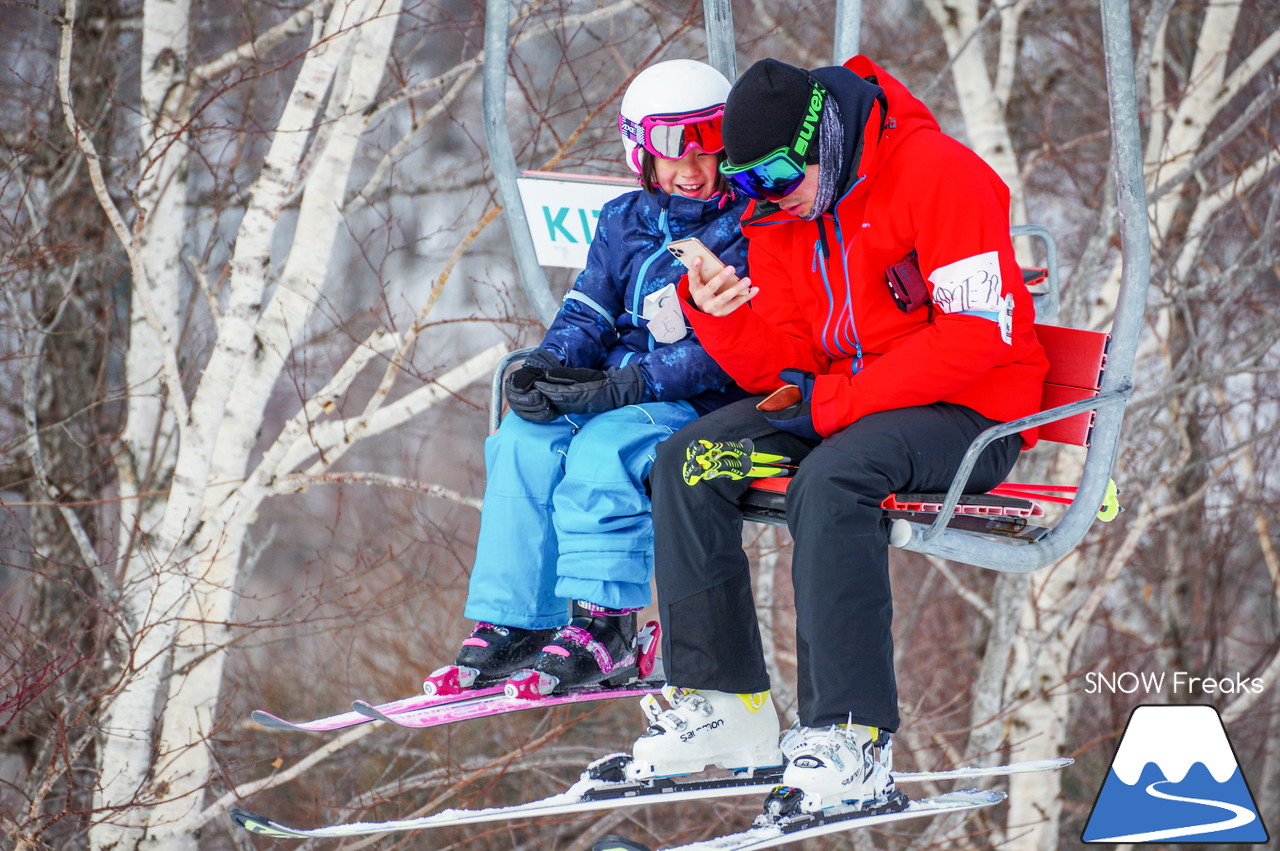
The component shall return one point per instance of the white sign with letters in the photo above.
(563, 210)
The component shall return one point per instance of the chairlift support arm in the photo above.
(1117, 382)
(502, 160)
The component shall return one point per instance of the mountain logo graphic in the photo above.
(1175, 778)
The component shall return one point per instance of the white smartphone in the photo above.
(686, 249)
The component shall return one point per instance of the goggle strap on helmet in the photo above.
(630, 130)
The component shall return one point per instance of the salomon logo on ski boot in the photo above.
(704, 728)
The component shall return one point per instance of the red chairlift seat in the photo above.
(1077, 360)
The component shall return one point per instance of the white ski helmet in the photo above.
(677, 87)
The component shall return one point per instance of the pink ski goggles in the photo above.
(670, 136)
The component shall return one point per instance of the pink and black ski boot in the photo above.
(491, 654)
(598, 646)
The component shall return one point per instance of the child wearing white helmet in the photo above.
(565, 553)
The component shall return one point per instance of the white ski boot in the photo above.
(703, 728)
(847, 764)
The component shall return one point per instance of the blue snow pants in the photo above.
(566, 514)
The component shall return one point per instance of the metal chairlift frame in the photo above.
(1003, 554)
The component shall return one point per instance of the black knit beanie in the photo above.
(764, 109)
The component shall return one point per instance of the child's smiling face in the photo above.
(695, 175)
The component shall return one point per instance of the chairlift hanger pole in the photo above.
(717, 17)
(502, 160)
(848, 31)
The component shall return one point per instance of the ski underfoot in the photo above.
(796, 829)
(446, 700)
(501, 704)
(342, 720)
(595, 791)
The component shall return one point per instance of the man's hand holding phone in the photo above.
(721, 293)
(714, 287)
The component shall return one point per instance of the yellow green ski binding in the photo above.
(732, 459)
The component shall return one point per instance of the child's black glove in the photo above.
(524, 398)
(592, 391)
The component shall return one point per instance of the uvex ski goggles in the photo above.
(777, 174)
(670, 136)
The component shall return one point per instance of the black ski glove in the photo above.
(788, 408)
(524, 398)
(592, 391)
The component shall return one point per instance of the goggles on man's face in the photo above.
(777, 174)
(670, 136)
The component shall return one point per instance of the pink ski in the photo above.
(448, 689)
(415, 703)
(499, 704)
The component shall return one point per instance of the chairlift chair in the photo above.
(1091, 373)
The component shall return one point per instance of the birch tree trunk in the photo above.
(1041, 692)
(196, 682)
(179, 587)
(982, 100)
(151, 435)
(979, 100)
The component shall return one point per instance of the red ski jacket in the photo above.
(824, 304)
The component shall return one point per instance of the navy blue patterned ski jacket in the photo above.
(599, 325)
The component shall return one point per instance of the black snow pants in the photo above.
(840, 562)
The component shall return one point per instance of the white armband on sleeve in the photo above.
(973, 286)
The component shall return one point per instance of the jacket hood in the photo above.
(884, 132)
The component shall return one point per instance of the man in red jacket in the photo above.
(851, 177)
